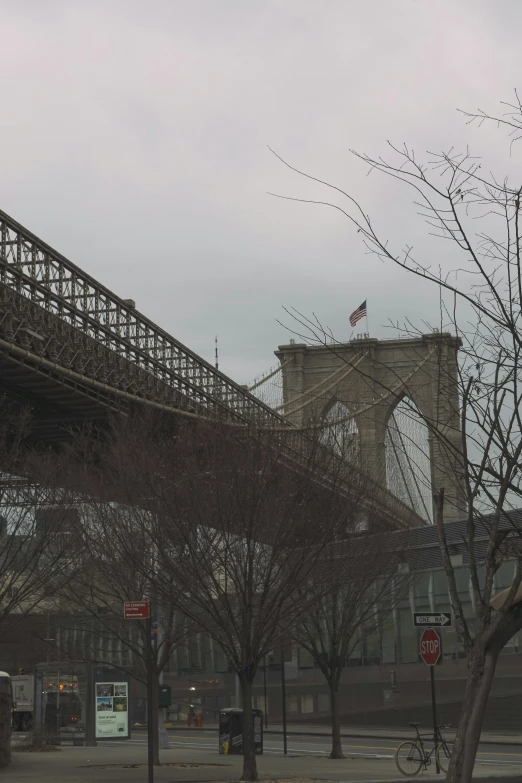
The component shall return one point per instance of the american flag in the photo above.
(358, 314)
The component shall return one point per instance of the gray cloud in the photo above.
(134, 137)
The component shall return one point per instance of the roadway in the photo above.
(206, 741)
(194, 756)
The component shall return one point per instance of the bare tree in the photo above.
(37, 551)
(240, 517)
(480, 296)
(361, 582)
(119, 561)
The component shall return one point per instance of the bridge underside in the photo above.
(56, 408)
(64, 377)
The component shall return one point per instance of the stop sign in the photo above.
(430, 646)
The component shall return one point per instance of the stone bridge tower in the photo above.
(370, 377)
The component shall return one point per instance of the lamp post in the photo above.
(264, 688)
(191, 705)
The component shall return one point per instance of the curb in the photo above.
(475, 779)
(504, 740)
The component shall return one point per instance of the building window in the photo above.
(372, 649)
(388, 654)
(408, 643)
(323, 702)
(505, 575)
(307, 702)
(422, 593)
(355, 656)
(306, 661)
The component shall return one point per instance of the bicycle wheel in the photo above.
(408, 758)
(444, 751)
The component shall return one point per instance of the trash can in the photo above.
(165, 696)
(231, 731)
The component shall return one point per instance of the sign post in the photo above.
(140, 610)
(150, 736)
(430, 651)
(283, 699)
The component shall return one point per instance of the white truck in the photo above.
(23, 701)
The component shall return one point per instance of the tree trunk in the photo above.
(249, 756)
(337, 750)
(477, 715)
(155, 715)
(482, 670)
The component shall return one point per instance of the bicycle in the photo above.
(411, 755)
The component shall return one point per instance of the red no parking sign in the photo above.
(430, 647)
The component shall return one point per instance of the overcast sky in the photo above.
(134, 140)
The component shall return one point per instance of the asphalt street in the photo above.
(206, 740)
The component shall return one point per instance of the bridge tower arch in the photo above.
(340, 431)
(369, 377)
(408, 464)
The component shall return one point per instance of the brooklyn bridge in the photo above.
(72, 351)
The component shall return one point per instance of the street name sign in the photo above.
(433, 620)
(430, 646)
(136, 610)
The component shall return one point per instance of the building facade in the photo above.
(384, 681)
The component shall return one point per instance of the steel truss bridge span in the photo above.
(54, 310)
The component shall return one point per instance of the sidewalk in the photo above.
(127, 764)
(360, 732)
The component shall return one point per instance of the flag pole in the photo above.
(367, 322)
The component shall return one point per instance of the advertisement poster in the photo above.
(112, 710)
